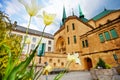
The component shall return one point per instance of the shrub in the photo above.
(101, 64)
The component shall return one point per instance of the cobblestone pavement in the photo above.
(82, 75)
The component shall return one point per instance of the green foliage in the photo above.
(10, 50)
(107, 66)
(102, 64)
(11, 41)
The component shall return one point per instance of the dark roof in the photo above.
(102, 14)
(31, 31)
(84, 19)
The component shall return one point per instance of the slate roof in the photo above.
(31, 31)
(84, 19)
(102, 14)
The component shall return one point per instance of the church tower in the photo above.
(64, 15)
(81, 15)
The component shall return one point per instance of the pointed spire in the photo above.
(80, 12)
(72, 12)
(64, 14)
(105, 9)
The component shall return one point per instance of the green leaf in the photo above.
(23, 65)
(60, 75)
(8, 69)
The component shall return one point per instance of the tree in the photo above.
(7, 38)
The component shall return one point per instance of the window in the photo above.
(50, 60)
(62, 64)
(25, 46)
(54, 64)
(83, 44)
(34, 39)
(26, 37)
(86, 43)
(68, 40)
(113, 33)
(49, 42)
(49, 48)
(74, 39)
(67, 29)
(73, 26)
(58, 60)
(32, 46)
(107, 35)
(101, 37)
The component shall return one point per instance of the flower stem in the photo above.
(28, 49)
(23, 41)
(26, 35)
(42, 35)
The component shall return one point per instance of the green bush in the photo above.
(12, 41)
(101, 64)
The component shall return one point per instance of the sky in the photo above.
(90, 8)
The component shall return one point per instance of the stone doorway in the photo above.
(88, 63)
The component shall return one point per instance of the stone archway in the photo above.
(88, 63)
(60, 45)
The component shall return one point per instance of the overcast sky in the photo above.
(90, 8)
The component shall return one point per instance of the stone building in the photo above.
(98, 37)
(34, 36)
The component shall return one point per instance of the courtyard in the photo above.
(81, 75)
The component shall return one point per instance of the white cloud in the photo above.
(18, 13)
(12, 7)
(0, 5)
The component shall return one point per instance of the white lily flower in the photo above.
(48, 18)
(32, 8)
(74, 58)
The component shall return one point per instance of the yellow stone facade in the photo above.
(74, 32)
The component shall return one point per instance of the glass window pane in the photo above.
(114, 33)
(107, 35)
(74, 39)
(32, 46)
(73, 26)
(49, 48)
(67, 29)
(86, 43)
(101, 38)
(49, 42)
(83, 44)
(34, 39)
(68, 40)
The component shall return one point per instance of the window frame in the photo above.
(68, 40)
(49, 49)
(49, 42)
(86, 43)
(75, 39)
(114, 34)
(73, 26)
(101, 37)
(83, 44)
(107, 35)
(34, 39)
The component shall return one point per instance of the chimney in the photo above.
(15, 24)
